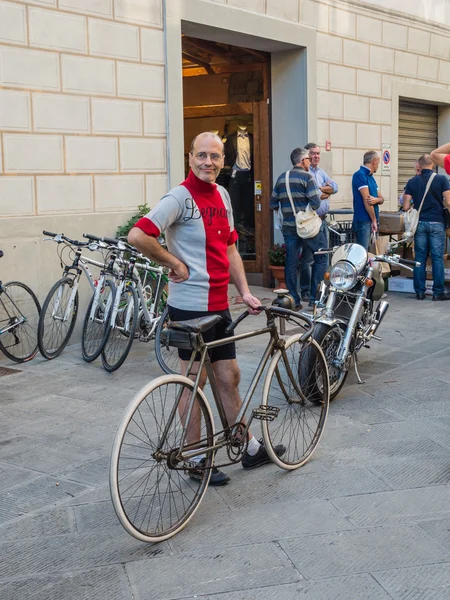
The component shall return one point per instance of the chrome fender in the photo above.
(329, 321)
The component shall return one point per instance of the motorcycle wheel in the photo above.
(328, 339)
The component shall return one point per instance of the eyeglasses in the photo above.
(204, 155)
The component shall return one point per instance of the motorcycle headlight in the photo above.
(343, 276)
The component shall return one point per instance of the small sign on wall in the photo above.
(385, 159)
(258, 188)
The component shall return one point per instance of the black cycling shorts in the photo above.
(217, 332)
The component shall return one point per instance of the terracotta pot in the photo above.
(278, 273)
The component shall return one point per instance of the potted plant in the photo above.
(277, 261)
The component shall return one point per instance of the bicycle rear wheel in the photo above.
(19, 316)
(151, 489)
(57, 318)
(96, 319)
(121, 333)
(301, 420)
(167, 356)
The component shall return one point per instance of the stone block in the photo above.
(91, 154)
(16, 196)
(251, 5)
(337, 160)
(368, 136)
(56, 112)
(122, 192)
(154, 118)
(380, 111)
(141, 81)
(356, 108)
(342, 79)
(13, 23)
(368, 29)
(322, 74)
(29, 68)
(14, 110)
(116, 116)
(386, 134)
(329, 47)
(352, 160)
(428, 68)
(64, 194)
(59, 31)
(323, 131)
(283, 9)
(152, 45)
(142, 155)
(419, 41)
(395, 35)
(81, 75)
(406, 63)
(156, 186)
(342, 22)
(440, 46)
(428, 581)
(368, 83)
(363, 550)
(444, 71)
(113, 39)
(33, 153)
(386, 84)
(95, 7)
(356, 54)
(144, 12)
(381, 59)
(329, 104)
(314, 14)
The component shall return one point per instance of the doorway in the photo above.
(226, 91)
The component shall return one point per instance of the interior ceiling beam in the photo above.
(199, 61)
(221, 69)
(211, 48)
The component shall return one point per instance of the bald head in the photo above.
(204, 137)
(206, 156)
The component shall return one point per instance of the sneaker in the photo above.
(311, 303)
(217, 477)
(420, 296)
(261, 457)
(298, 307)
(441, 297)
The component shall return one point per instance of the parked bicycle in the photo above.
(169, 422)
(19, 316)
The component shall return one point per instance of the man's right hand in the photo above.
(374, 226)
(179, 274)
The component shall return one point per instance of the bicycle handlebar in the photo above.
(282, 312)
(65, 239)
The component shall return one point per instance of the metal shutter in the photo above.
(417, 134)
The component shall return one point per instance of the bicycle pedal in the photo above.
(266, 413)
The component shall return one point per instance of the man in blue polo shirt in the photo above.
(430, 233)
(366, 199)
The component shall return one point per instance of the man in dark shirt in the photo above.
(366, 198)
(304, 191)
(429, 238)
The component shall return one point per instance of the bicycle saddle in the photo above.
(196, 325)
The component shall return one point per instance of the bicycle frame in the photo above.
(23, 319)
(149, 312)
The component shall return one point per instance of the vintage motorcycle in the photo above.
(349, 309)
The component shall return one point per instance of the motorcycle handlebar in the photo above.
(412, 263)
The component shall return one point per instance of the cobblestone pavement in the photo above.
(368, 518)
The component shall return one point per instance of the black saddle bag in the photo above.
(179, 339)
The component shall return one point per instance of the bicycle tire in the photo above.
(134, 468)
(167, 356)
(120, 336)
(51, 342)
(297, 416)
(20, 343)
(95, 331)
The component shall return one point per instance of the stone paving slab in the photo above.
(439, 529)
(421, 583)
(238, 568)
(41, 523)
(363, 551)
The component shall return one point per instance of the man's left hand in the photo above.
(252, 303)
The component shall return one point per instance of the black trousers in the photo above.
(242, 197)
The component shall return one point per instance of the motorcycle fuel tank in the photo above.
(353, 253)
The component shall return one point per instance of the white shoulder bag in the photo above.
(411, 217)
(307, 222)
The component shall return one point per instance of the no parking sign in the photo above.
(386, 159)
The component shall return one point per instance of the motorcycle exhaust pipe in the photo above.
(379, 316)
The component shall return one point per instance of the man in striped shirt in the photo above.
(304, 191)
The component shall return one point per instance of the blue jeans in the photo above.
(293, 246)
(307, 291)
(362, 230)
(429, 239)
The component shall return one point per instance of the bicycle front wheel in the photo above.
(19, 316)
(57, 319)
(96, 319)
(167, 356)
(120, 334)
(152, 489)
(301, 419)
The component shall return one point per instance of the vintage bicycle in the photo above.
(169, 423)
